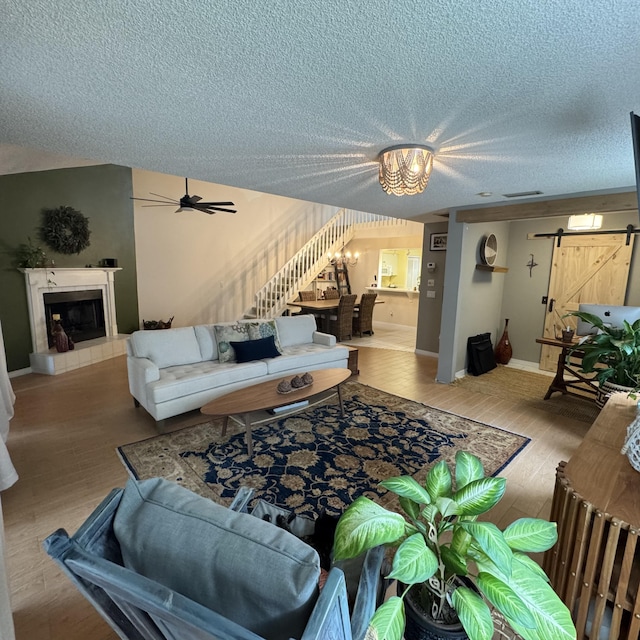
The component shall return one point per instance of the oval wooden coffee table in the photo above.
(251, 405)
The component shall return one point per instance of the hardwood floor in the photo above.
(66, 428)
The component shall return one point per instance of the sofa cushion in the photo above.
(264, 328)
(246, 569)
(167, 347)
(182, 381)
(294, 330)
(228, 332)
(255, 349)
(308, 356)
(206, 337)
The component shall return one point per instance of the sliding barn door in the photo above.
(585, 268)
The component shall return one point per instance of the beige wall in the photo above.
(201, 268)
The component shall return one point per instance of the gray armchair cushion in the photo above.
(246, 569)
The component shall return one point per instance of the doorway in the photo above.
(588, 269)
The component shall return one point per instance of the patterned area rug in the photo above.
(317, 459)
(529, 388)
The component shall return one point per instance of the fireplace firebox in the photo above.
(81, 314)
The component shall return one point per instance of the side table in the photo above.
(353, 361)
(595, 565)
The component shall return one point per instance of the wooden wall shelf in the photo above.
(487, 267)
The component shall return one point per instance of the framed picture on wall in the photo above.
(438, 242)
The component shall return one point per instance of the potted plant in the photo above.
(30, 256)
(440, 544)
(612, 354)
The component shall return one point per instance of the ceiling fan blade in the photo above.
(216, 204)
(159, 195)
(152, 200)
(216, 209)
(160, 204)
(194, 199)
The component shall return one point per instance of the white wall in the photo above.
(201, 268)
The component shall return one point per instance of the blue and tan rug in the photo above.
(317, 459)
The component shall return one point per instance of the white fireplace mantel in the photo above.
(50, 280)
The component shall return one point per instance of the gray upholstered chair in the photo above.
(363, 317)
(145, 546)
(341, 325)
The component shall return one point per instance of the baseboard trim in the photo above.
(431, 354)
(525, 365)
(20, 372)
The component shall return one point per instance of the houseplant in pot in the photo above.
(612, 354)
(451, 566)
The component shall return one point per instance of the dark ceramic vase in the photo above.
(421, 626)
(60, 338)
(503, 351)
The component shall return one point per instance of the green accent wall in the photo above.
(102, 193)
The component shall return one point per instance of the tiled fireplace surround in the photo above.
(41, 281)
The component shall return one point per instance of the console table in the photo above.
(595, 565)
(577, 380)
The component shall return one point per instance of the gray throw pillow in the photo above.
(244, 568)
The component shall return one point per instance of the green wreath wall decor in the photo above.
(65, 230)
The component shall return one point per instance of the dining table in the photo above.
(323, 308)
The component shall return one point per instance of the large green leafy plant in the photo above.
(613, 353)
(440, 539)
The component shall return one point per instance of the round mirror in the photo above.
(489, 250)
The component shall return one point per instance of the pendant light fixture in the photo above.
(405, 169)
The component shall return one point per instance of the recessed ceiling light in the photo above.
(485, 194)
(522, 194)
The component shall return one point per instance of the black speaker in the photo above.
(109, 262)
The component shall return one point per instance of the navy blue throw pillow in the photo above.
(255, 349)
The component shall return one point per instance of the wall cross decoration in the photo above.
(532, 263)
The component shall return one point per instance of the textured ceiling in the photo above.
(297, 97)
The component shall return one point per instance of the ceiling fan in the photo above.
(188, 203)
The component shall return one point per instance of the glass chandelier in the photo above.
(405, 169)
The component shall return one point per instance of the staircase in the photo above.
(271, 300)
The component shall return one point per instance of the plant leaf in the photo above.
(468, 469)
(430, 512)
(413, 562)
(453, 561)
(503, 597)
(447, 507)
(407, 487)
(532, 565)
(474, 614)
(365, 525)
(411, 508)
(460, 541)
(389, 620)
(438, 481)
(531, 535)
(491, 541)
(552, 617)
(480, 495)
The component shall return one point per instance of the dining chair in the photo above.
(331, 294)
(363, 317)
(306, 296)
(341, 325)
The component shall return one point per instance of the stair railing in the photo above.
(298, 273)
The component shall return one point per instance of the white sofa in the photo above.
(177, 370)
